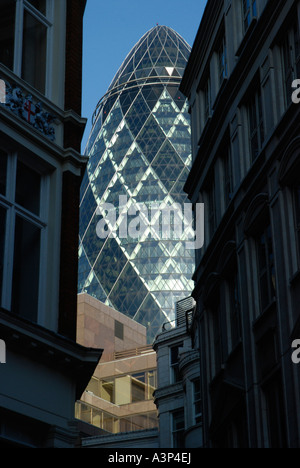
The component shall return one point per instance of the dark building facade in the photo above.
(245, 147)
(43, 370)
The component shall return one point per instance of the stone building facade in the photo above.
(178, 397)
(245, 146)
(41, 169)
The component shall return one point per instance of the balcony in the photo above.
(184, 315)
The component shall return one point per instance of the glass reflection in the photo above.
(140, 147)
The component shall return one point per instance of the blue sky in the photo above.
(113, 27)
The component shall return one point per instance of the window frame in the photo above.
(197, 415)
(212, 207)
(235, 307)
(249, 12)
(228, 176)
(207, 101)
(14, 211)
(177, 431)
(217, 336)
(222, 62)
(266, 232)
(256, 124)
(174, 364)
(22, 6)
(119, 330)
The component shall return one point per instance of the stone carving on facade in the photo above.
(27, 109)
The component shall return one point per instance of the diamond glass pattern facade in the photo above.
(140, 148)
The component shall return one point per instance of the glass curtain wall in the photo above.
(139, 149)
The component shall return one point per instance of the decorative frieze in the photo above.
(25, 106)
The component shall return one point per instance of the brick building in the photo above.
(40, 174)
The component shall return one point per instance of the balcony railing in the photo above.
(184, 315)
(133, 352)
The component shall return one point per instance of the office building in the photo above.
(139, 152)
(245, 147)
(178, 395)
(119, 397)
(44, 371)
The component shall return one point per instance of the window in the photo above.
(207, 101)
(2, 242)
(174, 358)
(256, 125)
(217, 338)
(212, 215)
(138, 387)
(21, 231)
(151, 384)
(297, 215)
(236, 158)
(119, 330)
(222, 62)
(197, 402)
(34, 51)
(228, 177)
(126, 388)
(235, 309)
(24, 31)
(178, 429)
(7, 32)
(249, 12)
(266, 268)
(3, 172)
(290, 60)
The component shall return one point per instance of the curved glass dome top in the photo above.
(139, 148)
(161, 54)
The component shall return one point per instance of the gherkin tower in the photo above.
(139, 148)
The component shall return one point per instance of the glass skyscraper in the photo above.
(139, 153)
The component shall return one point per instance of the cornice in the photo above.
(168, 391)
(66, 156)
(49, 348)
(121, 437)
(189, 358)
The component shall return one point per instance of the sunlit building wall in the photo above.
(119, 397)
